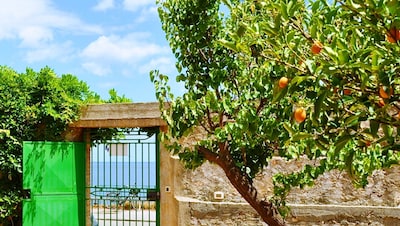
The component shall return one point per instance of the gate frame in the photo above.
(123, 115)
(155, 144)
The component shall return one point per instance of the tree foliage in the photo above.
(35, 106)
(341, 59)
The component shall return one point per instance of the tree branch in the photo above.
(244, 186)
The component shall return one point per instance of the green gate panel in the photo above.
(54, 167)
(57, 210)
(54, 183)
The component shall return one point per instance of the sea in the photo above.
(110, 180)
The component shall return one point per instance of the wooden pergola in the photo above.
(123, 115)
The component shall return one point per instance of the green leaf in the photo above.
(319, 103)
(374, 126)
(242, 29)
(387, 130)
(343, 56)
(333, 54)
(288, 128)
(320, 145)
(310, 65)
(341, 142)
(375, 60)
(301, 136)
(298, 79)
(352, 120)
(284, 10)
(278, 93)
(293, 7)
(349, 164)
(229, 45)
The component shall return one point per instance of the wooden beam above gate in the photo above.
(121, 115)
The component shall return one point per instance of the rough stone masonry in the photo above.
(333, 200)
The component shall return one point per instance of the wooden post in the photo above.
(87, 178)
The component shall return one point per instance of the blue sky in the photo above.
(106, 43)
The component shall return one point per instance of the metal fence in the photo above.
(124, 186)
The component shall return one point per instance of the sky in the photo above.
(106, 43)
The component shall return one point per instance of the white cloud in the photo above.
(18, 18)
(97, 69)
(128, 49)
(44, 32)
(125, 53)
(134, 5)
(61, 52)
(34, 36)
(146, 14)
(165, 65)
(104, 5)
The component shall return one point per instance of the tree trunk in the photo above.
(245, 187)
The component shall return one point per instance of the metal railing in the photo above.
(124, 186)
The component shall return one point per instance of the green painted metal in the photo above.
(54, 181)
(125, 180)
(157, 138)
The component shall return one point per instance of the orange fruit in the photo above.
(316, 47)
(346, 92)
(381, 102)
(300, 115)
(383, 93)
(283, 82)
(393, 35)
(335, 90)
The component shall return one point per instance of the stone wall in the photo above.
(333, 200)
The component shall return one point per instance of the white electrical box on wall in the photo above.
(219, 195)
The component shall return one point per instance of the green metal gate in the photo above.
(124, 175)
(54, 183)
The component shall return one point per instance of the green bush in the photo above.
(35, 106)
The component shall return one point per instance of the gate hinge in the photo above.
(26, 193)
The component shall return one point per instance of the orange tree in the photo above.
(339, 107)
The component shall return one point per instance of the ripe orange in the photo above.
(393, 35)
(346, 92)
(283, 82)
(383, 93)
(381, 102)
(300, 115)
(316, 47)
(335, 90)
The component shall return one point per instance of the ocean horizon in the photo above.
(130, 174)
(118, 178)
